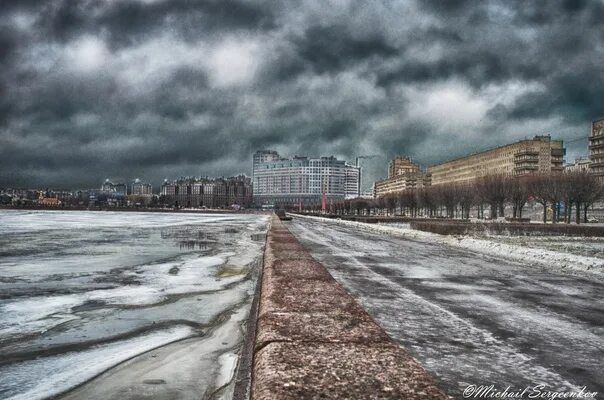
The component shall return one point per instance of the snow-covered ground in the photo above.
(467, 310)
(81, 292)
(541, 252)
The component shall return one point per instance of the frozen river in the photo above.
(469, 318)
(144, 303)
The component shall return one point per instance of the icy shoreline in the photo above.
(543, 258)
(176, 367)
(96, 297)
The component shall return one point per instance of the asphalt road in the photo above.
(470, 319)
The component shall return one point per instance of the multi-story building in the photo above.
(596, 148)
(352, 182)
(403, 174)
(206, 192)
(119, 189)
(402, 166)
(139, 188)
(580, 165)
(302, 181)
(262, 156)
(540, 154)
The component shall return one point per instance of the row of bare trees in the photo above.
(576, 191)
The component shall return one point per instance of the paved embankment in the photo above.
(313, 340)
(469, 318)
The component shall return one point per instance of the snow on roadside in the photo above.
(546, 258)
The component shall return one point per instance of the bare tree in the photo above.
(467, 198)
(517, 194)
(538, 187)
(588, 190)
(570, 186)
(448, 198)
(391, 200)
(492, 189)
(359, 205)
(425, 199)
(411, 201)
(555, 193)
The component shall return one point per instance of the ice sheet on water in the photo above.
(80, 278)
(157, 282)
(101, 324)
(16, 221)
(30, 380)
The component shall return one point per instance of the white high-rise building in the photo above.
(301, 180)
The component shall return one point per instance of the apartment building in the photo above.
(139, 188)
(596, 148)
(117, 189)
(290, 182)
(403, 174)
(207, 192)
(580, 165)
(540, 154)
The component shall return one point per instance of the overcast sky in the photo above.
(160, 89)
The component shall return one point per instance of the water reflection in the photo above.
(189, 238)
(193, 244)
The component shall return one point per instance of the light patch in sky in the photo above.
(233, 62)
(23, 21)
(447, 105)
(87, 54)
(144, 67)
(84, 119)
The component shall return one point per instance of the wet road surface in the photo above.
(470, 319)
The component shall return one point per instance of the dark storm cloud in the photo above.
(162, 88)
(129, 22)
(332, 48)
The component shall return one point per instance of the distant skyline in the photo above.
(159, 89)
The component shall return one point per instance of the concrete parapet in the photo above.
(313, 340)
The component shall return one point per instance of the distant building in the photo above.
(580, 165)
(107, 186)
(402, 166)
(206, 192)
(540, 154)
(139, 188)
(302, 181)
(403, 174)
(110, 188)
(262, 156)
(596, 148)
(48, 201)
(352, 183)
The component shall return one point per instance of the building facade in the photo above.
(540, 154)
(262, 156)
(580, 165)
(139, 188)
(117, 189)
(596, 148)
(205, 192)
(403, 174)
(301, 181)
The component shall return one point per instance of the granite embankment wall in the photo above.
(313, 340)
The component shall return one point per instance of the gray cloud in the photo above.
(163, 88)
